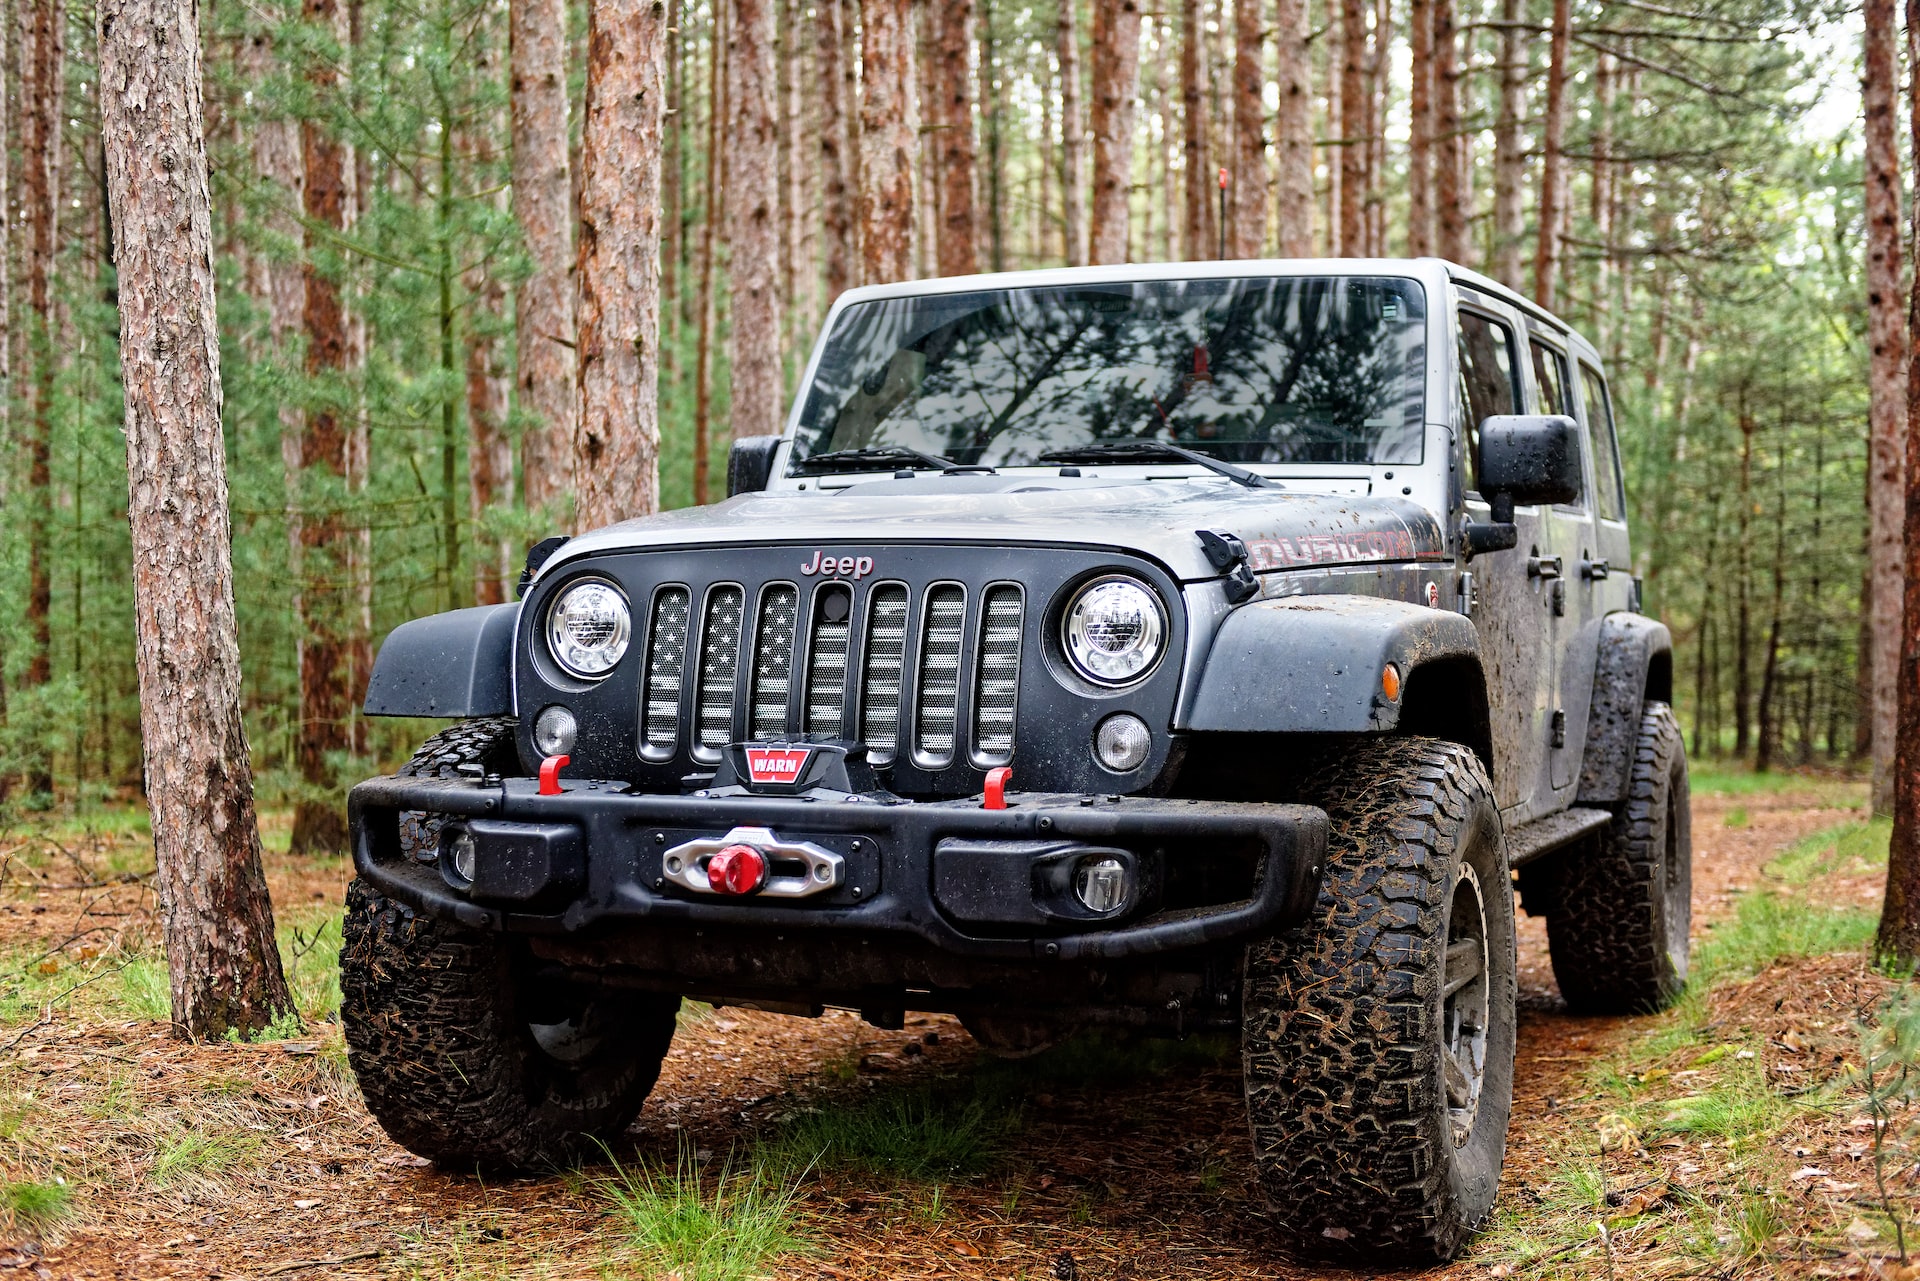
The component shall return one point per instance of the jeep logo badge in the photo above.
(854, 567)
(782, 765)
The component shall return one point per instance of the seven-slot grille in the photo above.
(849, 651)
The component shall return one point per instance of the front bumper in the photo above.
(964, 880)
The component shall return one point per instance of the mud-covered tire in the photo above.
(1622, 904)
(1346, 1024)
(461, 1055)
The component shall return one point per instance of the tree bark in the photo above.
(1353, 126)
(1449, 196)
(616, 442)
(951, 119)
(1073, 140)
(1116, 78)
(1546, 253)
(1248, 195)
(1887, 389)
(886, 140)
(223, 967)
(1293, 129)
(1331, 41)
(1509, 154)
(1197, 233)
(542, 197)
(325, 591)
(43, 88)
(1900, 917)
(1420, 123)
(710, 220)
(489, 448)
(836, 146)
(753, 201)
(1743, 598)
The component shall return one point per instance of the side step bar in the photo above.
(1545, 835)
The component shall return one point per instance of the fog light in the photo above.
(463, 856)
(1101, 885)
(554, 732)
(1121, 742)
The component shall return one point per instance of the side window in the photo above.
(1487, 379)
(1550, 374)
(1606, 446)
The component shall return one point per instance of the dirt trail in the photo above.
(1149, 1178)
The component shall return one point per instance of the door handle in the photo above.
(1595, 569)
(1543, 567)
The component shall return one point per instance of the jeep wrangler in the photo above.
(1191, 648)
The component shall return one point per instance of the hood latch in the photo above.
(1226, 553)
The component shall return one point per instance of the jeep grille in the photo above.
(823, 653)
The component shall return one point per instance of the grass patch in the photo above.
(923, 1135)
(37, 1206)
(144, 991)
(310, 955)
(202, 1155)
(1715, 777)
(729, 1228)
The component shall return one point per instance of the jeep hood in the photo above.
(1282, 528)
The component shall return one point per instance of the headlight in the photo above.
(587, 629)
(1113, 630)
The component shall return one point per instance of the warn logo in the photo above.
(777, 764)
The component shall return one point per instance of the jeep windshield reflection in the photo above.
(1302, 369)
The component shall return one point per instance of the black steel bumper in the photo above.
(969, 881)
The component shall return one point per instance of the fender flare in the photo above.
(452, 665)
(1634, 663)
(1313, 664)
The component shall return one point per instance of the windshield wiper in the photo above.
(877, 458)
(1155, 450)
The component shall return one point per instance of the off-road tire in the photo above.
(460, 1056)
(1345, 1024)
(1622, 904)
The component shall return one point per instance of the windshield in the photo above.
(1308, 369)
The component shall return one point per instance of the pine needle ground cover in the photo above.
(1759, 1129)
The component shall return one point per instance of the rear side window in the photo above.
(1550, 374)
(1606, 447)
(1487, 378)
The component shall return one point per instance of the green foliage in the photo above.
(727, 1227)
(923, 1134)
(37, 1206)
(201, 1155)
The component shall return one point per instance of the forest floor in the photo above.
(1729, 1137)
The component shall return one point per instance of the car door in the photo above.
(1565, 569)
(1509, 607)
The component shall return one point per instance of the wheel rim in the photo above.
(1465, 1004)
(1678, 890)
(570, 1041)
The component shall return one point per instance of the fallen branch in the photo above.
(300, 1264)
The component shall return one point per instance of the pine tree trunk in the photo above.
(1353, 126)
(990, 120)
(1116, 78)
(1293, 130)
(616, 444)
(542, 205)
(1420, 123)
(1887, 390)
(711, 217)
(1331, 40)
(950, 113)
(1900, 917)
(1546, 254)
(836, 146)
(753, 202)
(1509, 155)
(1073, 140)
(1248, 195)
(1600, 195)
(797, 296)
(325, 596)
(1449, 195)
(223, 966)
(43, 88)
(1197, 234)
(887, 140)
(489, 448)
(1743, 598)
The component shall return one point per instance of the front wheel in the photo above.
(1378, 1037)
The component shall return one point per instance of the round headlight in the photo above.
(1113, 630)
(587, 629)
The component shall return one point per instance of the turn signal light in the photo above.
(737, 869)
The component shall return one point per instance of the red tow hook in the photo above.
(995, 796)
(737, 869)
(550, 774)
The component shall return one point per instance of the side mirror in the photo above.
(750, 464)
(1528, 458)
